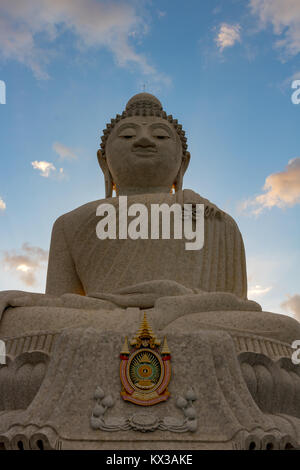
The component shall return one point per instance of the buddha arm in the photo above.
(62, 276)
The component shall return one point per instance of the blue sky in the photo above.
(223, 68)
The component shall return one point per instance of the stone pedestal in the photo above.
(247, 393)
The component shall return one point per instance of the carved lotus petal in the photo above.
(191, 395)
(99, 394)
(181, 402)
(144, 422)
(192, 425)
(95, 422)
(98, 410)
(190, 412)
(108, 401)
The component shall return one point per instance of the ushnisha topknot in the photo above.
(143, 104)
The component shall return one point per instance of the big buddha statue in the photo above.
(233, 380)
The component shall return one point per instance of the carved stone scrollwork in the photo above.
(144, 421)
(260, 440)
(274, 386)
(30, 438)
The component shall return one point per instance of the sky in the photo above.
(223, 68)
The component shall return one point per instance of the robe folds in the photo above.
(81, 263)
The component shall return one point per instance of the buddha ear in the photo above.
(185, 161)
(107, 175)
(184, 164)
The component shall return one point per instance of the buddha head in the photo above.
(143, 150)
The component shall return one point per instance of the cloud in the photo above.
(17, 42)
(284, 16)
(35, 251)
(258, 291)
(2, 204)
(95, 24)
(45, 168)
(286, 84)
(281, 190)
(295, 76)
(293, 305)
(25, 263)
(228, 35)
(63, 151)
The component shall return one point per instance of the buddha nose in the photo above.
(144, 141)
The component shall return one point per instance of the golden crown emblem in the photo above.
(145, 370)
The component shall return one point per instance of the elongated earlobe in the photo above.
(109, 185)
(179, 178)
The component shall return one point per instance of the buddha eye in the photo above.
(127, 133)
(160, 134)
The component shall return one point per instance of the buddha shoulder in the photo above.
(71, 221)
(211, 210)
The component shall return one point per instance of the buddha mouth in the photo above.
(145, 151)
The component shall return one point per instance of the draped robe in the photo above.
(81, 263)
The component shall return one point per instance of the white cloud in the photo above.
(228, 35)
(284, 16)
(2, 204)
(17, 42)
(258, 291)
(26, 263)
(281, 190)
(293, 305)
(94, 23)
(45, 168)
(63, 151)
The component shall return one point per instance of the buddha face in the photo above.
(143, 152)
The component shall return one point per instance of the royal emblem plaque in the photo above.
(145, 368)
